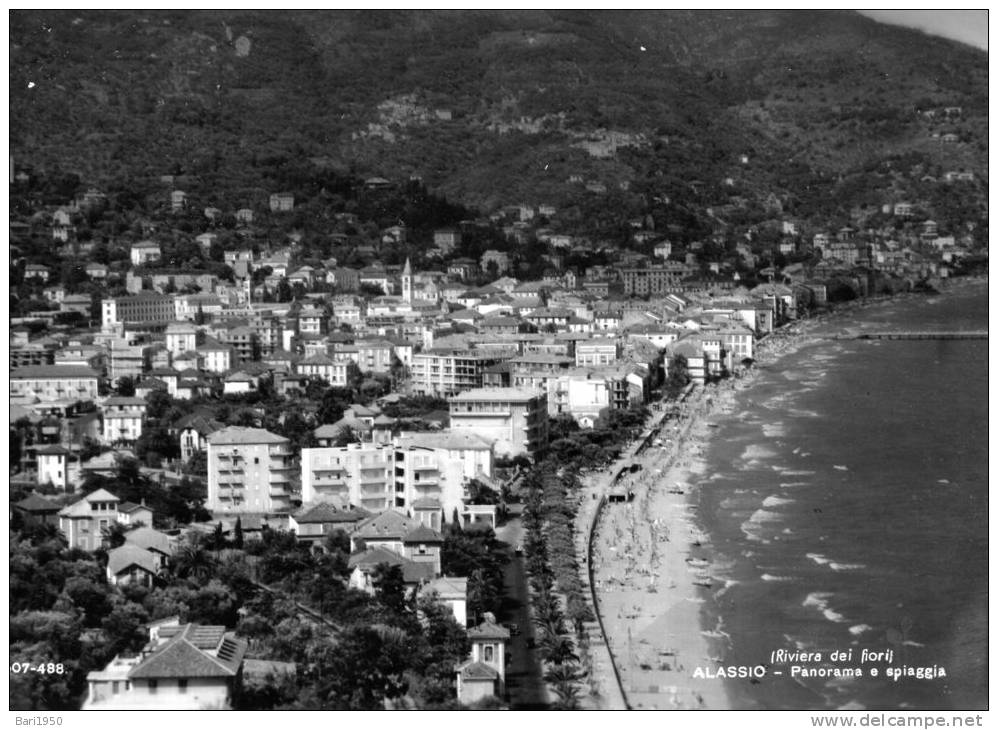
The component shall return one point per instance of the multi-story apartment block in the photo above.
(596, 352)
(191, 306)
(534, 371)
(312, 321)
(249, 471)
(737, 339)
(144, 307)
(53, 466)
(54, 382)
(123, 419)
(516, 420)
(32, 353)
(661, 279)
(374, 355)
(243, 341)
(429, 471)
(216, 357)
(357, 474)
(445, 372)
(434, 468)
(322, 366)
(181, 337)
(125, 359)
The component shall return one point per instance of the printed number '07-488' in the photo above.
(25, 667)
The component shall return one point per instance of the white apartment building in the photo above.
(419, 467)
(123, 419)
(322, 366)
(217, 357)
(596, 352)
(249, 471)
(53, 382)
(181, 337)
(514, 419)
(445, 372)
(357, 474)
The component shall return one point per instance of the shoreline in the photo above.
(651, 560)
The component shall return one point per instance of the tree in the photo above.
(193, 561)
(126, 386)
(283, 293)
(389, 587)
(479, 493)
(218, 538)
(158, 402)
(345, 436)
(367, 666)
(115, 535)
(678, 377)
(237, 540)
(154, 444)
(558, 648)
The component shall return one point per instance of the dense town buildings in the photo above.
(379, 392)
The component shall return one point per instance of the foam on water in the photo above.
(756, 452)
(860, 629)
(803, 413)
(769, 578)
(819, 559)
(762, 515)
(819, 601)
(846, 566)
(774, 501)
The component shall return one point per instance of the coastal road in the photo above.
(524, 675)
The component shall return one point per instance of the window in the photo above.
(114, 688)
(256, 459)
(182, 686)
(489, 653)
(153, 685)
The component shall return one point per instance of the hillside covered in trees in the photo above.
(498, 107)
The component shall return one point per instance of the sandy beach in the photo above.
(652, 565)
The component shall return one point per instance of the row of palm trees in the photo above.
(545, 515)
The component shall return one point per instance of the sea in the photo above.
(846, 500)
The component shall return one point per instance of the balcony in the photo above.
(427, 482)
(425, 467)
(327, 482)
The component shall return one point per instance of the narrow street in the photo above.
(524, 674)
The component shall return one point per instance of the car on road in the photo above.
(518, 549)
